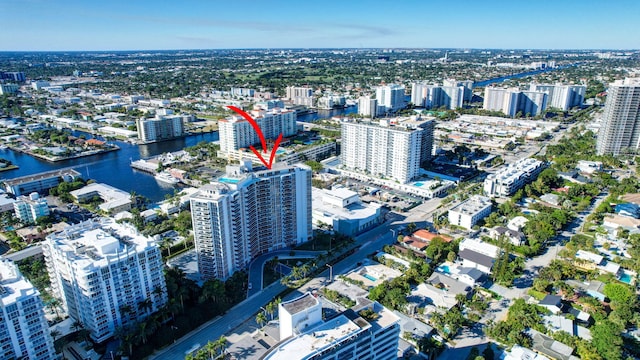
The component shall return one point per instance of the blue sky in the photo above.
(212, 24)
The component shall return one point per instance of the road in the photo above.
(224, 325)
(257, 266)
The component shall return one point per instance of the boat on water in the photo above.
(3, 147)
(167, 178)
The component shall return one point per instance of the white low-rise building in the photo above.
(29, 209)
(512, 177)
(470, 211)
(342, 209)
(115, 200)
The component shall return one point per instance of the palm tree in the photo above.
(55, 333)
(271, 307)
(222, 343)
(145, 305)
(211, 348)
(77, 325)
(261, 318)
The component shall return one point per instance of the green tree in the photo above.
(607, 340)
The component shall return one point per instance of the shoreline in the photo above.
(54, 159)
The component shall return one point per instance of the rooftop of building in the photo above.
(300, 303)
(472, 205)
(97, 242)
(12, 284)
(316, 339)
(40, 176)
(355, 210)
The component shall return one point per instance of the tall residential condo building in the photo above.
(348, 335)
(434, 96)
(368, 106)
(162, 127)
(389, 148)
(236, 132)
(563, 97)
(620, 130)
(300, 95)
(24, 332)
(390, 97)
(106, 274)
(247, 213)
(512, 101)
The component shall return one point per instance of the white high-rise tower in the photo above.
(247, 213)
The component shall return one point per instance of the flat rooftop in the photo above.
(472, 205)
(41, 176)
(316, 339)
(299, 304)
(12, 284)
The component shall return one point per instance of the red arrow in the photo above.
(263, 141)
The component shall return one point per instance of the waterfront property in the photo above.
(115, 200)
(39, 182)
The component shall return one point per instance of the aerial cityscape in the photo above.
(202, 180)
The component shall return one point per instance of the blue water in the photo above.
(228, 180)
(418, 184)
(280, 151)
(517, 76)
(367, 276)
(111, 168)
(444, 269)
(625, 278)
(327, 114)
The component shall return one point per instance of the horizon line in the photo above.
(328, 48)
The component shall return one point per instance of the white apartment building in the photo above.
(470, 211)
(511, 101)
(162, 127)
(563, 97)
(29, 209)
(390, 97)
(24, 331)
(389, 148)
(236, 132)
(510, 178)
(39, 84)
(368, 106)
(467, 84)
(434, 96)
(300, 95)
(620, 131)
(247, 213)
(102, 271)
(115, 200)
(346, 336)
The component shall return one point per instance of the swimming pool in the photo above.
(369, 277)
(625, 278)
(418, 184)
(229, 180)
(444, 269)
